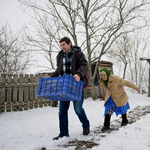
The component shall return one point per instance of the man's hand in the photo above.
(77, 77)
(138, 90)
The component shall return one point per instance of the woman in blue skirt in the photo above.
(116, 99)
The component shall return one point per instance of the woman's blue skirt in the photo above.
(118, 110)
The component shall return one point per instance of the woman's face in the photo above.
(104, 76)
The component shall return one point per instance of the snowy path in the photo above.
(35, 128)
(96, 135)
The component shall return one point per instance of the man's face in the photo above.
(65, 47)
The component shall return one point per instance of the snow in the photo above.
(35, 128)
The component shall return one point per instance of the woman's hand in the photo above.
(77, 77)
(138, 90)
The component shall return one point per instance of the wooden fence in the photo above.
(19, 92)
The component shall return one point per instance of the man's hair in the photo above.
(66, 39)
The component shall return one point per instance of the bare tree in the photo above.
(51, 26)
(137, 72)
(93, 25)
(43, 38)
(127, 51)
(13, 57)
(120, 53)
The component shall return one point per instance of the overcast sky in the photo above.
(11, 12)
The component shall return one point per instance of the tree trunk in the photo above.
(124, 73)
(93, 90)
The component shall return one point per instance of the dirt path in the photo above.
(133, 116)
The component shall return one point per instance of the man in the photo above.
(70, 60)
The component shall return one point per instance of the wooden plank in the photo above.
(40, 99)
(41, 102)
(49, 102)
(17, 85)
(15, 81)
(54, 103)
(20, 92)
(45, 100)
(31, 92)
(45, 76)
(26, 92)
(9, 92)
(2, 97)
(36, 88)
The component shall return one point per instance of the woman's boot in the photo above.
(124, 120)
(106, 123)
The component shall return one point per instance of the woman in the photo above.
(116, 99)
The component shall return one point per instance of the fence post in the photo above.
(9, 92)
(2, 99)
(36, 88)
(31, 92)
(20, 92)
(45, 76)
(15, 81)
(41, 99)
(26, 92)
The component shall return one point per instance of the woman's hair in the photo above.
(102, 72)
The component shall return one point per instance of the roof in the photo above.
(144, 58)
(45, 71)
(103, 63)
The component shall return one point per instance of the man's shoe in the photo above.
(105, 128)
(57, 137)
(124, 124)
(86, 131)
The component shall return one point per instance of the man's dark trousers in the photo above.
(63, 115)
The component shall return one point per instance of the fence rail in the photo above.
(19, 92)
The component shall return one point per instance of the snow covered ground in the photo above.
(35, 128)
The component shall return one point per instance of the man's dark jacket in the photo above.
(79, 65)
